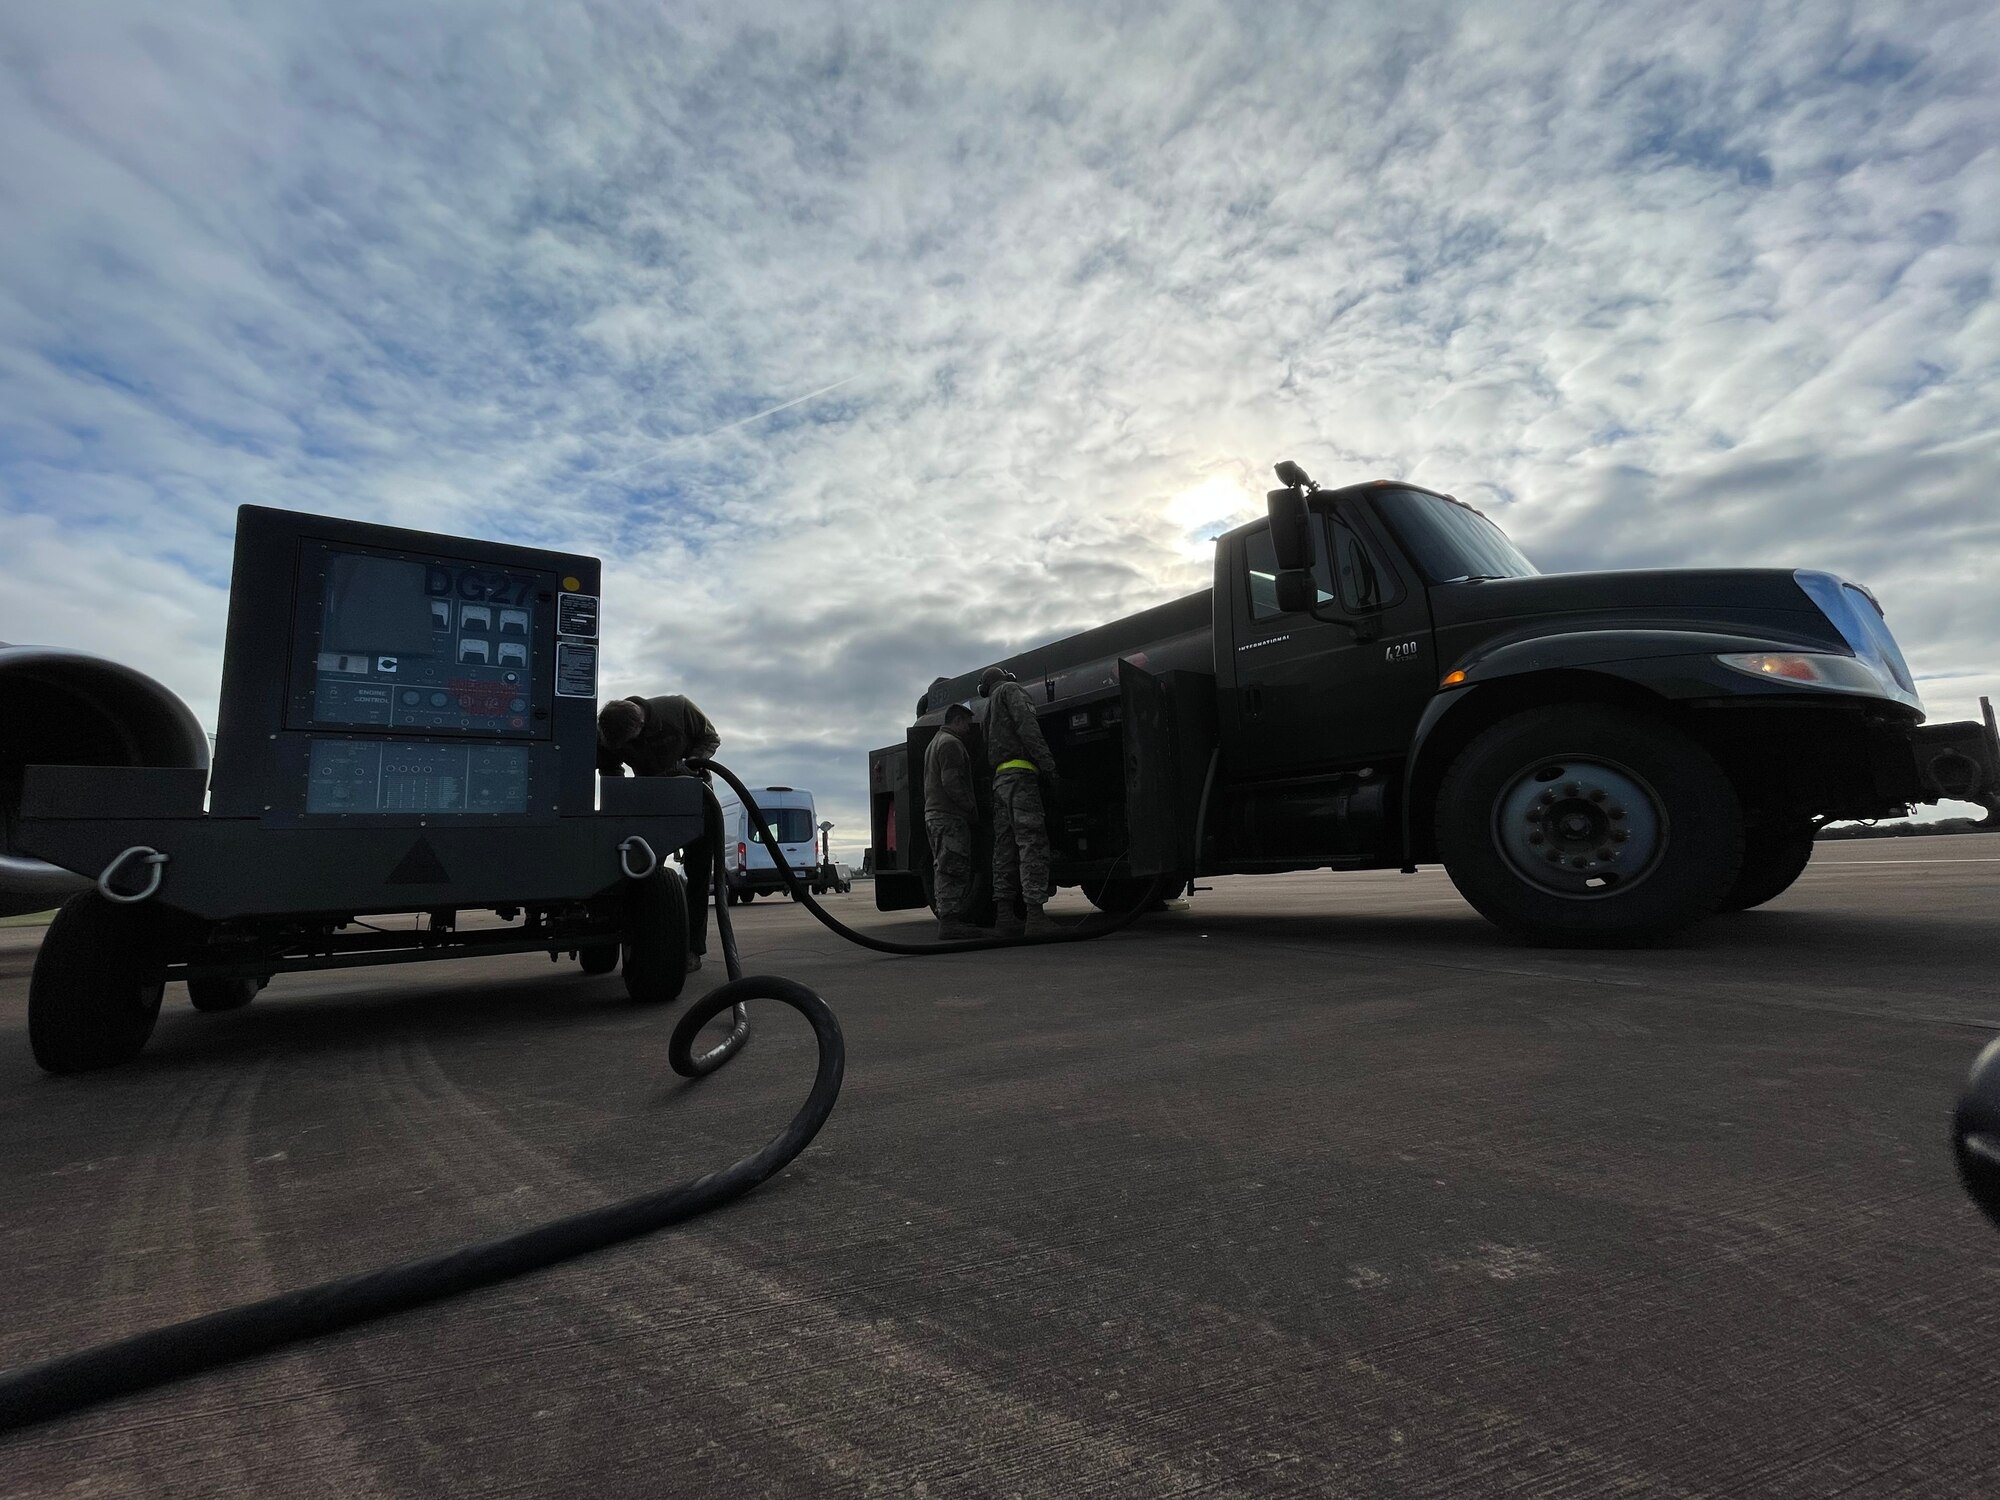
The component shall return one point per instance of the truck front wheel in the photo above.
(1589, 826)
(95, 992)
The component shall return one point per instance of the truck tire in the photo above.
(1774, 855)
(1120, 896)
(95, 993)
(599, 960)
(1582, 825)
(220, 994)
(656, 938)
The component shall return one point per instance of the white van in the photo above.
(748, 863)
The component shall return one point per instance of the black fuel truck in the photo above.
(1379, 679)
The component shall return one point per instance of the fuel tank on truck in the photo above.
(1175, 636)
(60, 707)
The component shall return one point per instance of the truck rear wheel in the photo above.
(601, 959)
(1774, 855)
(95, 993)
(1120, 896)
(219, 994)
(656, 938)
(1584, 825)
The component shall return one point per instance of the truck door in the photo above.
(1311, 696)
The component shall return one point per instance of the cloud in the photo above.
(868, 349)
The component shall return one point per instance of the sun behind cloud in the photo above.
(1205, 510)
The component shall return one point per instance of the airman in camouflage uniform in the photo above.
(950, 810)
(1020, 758)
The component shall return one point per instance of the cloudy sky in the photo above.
(873, 342)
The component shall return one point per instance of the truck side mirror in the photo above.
(1295, 589)
(1291, 530)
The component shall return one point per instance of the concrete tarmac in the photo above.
(1321, 1187)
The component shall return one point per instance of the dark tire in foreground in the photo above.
(222, 994)
(1589, 826)
(95, 993)
(1774, 855)
(656, 938)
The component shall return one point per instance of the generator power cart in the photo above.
(407, 734)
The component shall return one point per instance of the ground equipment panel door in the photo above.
(1169, 738)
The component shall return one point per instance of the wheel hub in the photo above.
(1580, 828)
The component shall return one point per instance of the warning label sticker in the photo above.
(576, 614)
(576, 670)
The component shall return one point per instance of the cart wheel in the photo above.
(656, 938)
(599, 960)
(95, 994)
(224, 994)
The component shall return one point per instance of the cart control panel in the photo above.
(392, 674)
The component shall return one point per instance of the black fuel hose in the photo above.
(1082, 932)
(47, 1390)
(39, 1392)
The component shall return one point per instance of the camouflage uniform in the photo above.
(1020, 827)
(1020, 840)
(950, 809)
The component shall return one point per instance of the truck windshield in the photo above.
(1450, 542)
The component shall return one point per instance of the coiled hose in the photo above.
(42, 1391)
(129, 1365)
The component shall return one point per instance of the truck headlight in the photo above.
(1807, 669)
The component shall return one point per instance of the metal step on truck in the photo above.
(1379, 679)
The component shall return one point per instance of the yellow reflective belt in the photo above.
(1014, 765)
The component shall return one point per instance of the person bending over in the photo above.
(658, 737)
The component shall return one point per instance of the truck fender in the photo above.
(1634, 664)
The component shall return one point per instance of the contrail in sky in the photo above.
(758, 416)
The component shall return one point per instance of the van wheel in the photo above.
(1584, 825)
(220, 994)
(656, 938)
(95, 992)
(1774, 855)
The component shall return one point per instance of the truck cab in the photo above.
(1379, 678)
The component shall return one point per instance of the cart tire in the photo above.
(656, 938)
(1774, 855)
(1585, 825)
(95, 994)
(222, 994)
(599, 960)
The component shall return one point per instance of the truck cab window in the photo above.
(1363, 589)
(1260, 560)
